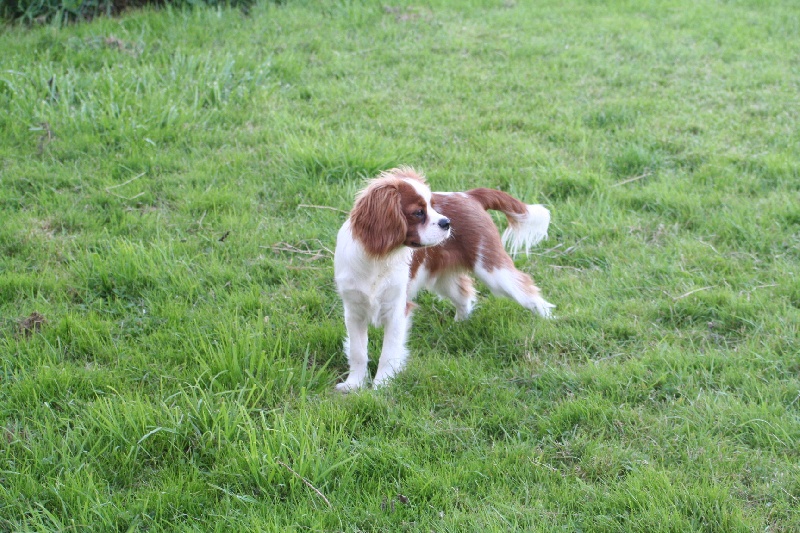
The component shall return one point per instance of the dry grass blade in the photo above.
(324, 207)
(110, 187)
(45, 139)
(631, 180)
(304, 480)
(676, 298)
(315, 255)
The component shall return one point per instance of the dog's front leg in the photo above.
(355, 346)
(394, 352)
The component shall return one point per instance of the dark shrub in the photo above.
(30, 11)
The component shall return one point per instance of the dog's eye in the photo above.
(419, 213)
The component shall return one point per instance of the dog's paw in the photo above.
(462, 315)
(543, 307)
(349, 386)
(379, 383)
(383, 379)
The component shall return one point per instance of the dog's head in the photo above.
(395, 210)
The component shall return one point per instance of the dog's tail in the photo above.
(527, 224)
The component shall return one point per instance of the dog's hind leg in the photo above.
(509, 282)
(456, 287)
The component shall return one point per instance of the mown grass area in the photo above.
(170, 333)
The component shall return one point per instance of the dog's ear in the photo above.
(377, 219)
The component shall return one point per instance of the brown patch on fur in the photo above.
(411, 204)
(526, 282)
(465, 286)
(384, 215)
(474, 236)
(376, 219)
(410, 306)
(500, 201)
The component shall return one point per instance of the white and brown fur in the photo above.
(400, 238)
(391, 217)
(475, 247)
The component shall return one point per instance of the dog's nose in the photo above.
(444, 223)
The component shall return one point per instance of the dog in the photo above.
(401, 238)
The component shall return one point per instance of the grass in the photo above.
(169, 330)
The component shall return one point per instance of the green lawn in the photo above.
(171, 184)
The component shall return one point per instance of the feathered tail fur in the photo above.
(527, 224)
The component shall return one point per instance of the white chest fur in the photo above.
(369, 286)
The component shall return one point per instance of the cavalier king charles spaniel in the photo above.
(401, 238)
